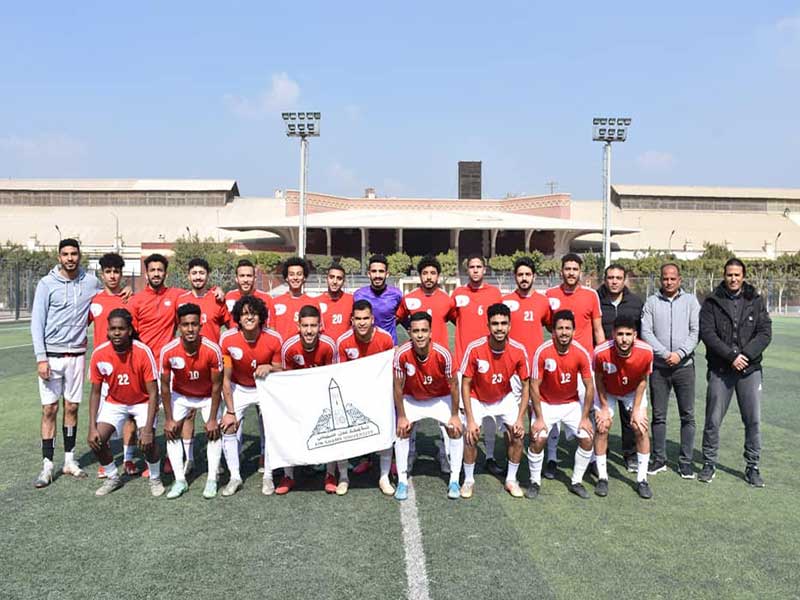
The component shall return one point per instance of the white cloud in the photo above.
(282, 94)
(42, 147)
(654, 160)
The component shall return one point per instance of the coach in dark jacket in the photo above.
(615, 300)
(736, 329)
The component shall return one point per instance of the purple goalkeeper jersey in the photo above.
(384, 306)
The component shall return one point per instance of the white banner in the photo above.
(319, 415)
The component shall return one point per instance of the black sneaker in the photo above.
(644, 490)
(707, 473)
(686, 471)
(656, 466)
(493, 468)
(550, 469)
(632, 463)
(579, 490)
(753, 477)
(601, 489)
(533, 491)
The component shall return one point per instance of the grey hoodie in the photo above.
(60, 312)
(671, 325)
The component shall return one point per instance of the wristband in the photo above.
(230, 412)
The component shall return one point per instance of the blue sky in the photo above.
(171, 89)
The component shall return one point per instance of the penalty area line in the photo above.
(13, 347)
(416, 573)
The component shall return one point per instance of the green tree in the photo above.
(266, 261)
(501, 263)
(449, 262)
(320, 262)
(350, 265)
(399, 263)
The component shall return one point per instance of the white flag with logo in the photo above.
(319, 415)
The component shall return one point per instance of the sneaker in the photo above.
(753, 476)
(131, 470)
(156, 487)
(177, 490)
(453, 490)
(363, 467)
(550, 469)
(444, 463)
(401, 493)
(493, 468)
(167, 466)
(579, 490)
(233, 486)
(109, 485)
(467, 489)
(267, 486)
(707, 473)
(330, 484)
(72, 468)
(386, 486)
(210, 491)
(45, 476)
(644, 490)
(632, 463)
(342, 487)
(533, 491)
(601, 489)
(656, 466)
(188, 467)
(261, 464)
(285, 485)
(512, 487)
(101, 472)
(686, 471)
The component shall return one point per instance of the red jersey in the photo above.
(232, 296)
(102, 304)
(437, 305)
(622, 375)
(584, 304)
(468, 308)
(336, 313)
(528, 315)
(154, 315)
(491, 371)
(559, 373)
(424, 379)
(287, 308)
(191, 373)
(295, 356)
(243, 356)
(125, 374)
(213, 313)
(348, 346)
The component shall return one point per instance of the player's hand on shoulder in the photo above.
(218, 294)
(126, 294)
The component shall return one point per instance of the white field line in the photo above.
(12, 347)
(416, 573)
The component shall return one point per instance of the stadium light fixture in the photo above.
(608, 130)
(303, 125)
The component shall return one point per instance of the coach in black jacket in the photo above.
(736, 329)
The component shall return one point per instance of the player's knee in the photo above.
(49, 411)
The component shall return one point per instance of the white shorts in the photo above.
(243, 397)
(506, 410)
(183, 405)
(66, 379)
(627, 402)
(116, 415)
(568, 415)
(438, 408)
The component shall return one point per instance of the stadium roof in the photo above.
(120, 185)
(707, 192)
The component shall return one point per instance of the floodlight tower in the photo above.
(608, 130)
(302, 125)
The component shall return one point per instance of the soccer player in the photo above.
(287, 306)
(383, 298)
(249, 351)
(621, 367)
(128, 368)
(495, 377)
(335, 304)
(468, 304)
(557, 366)
(365, 339)
(191, 379)
(306, 350)
(584, 304)
(530, 310)
(425, 386)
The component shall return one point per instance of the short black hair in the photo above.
(244, 262)
(564, 315)
(336, 266)
(524, 261)
(615, 267)
(497, 309)
(378, 258)
(735, 262)
(474, 256)
(309, 310)
(429, 261)
(362, 304)
(670, 264)
(294, 261)
(156, 258)
(255, 304)
(624, 320)
(125, 315)
(69, 242)
(421, 316)
(112, 260)
(571, 257)
(199, 262)
(190, 308)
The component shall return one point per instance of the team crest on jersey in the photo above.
(413, 303)
(340, 423)
(97, 309)
(236, 353)
(609, 368)
(483, 366)
(323, 307)
(299, 360)
(512, 305)
(410, 369)
(177, 362)
(280, 309)
(462, 300)
(105, 368)
(550, 364)
(351, 353)
(554, 303)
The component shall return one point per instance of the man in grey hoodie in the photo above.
(671, 325)
(58, 327)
